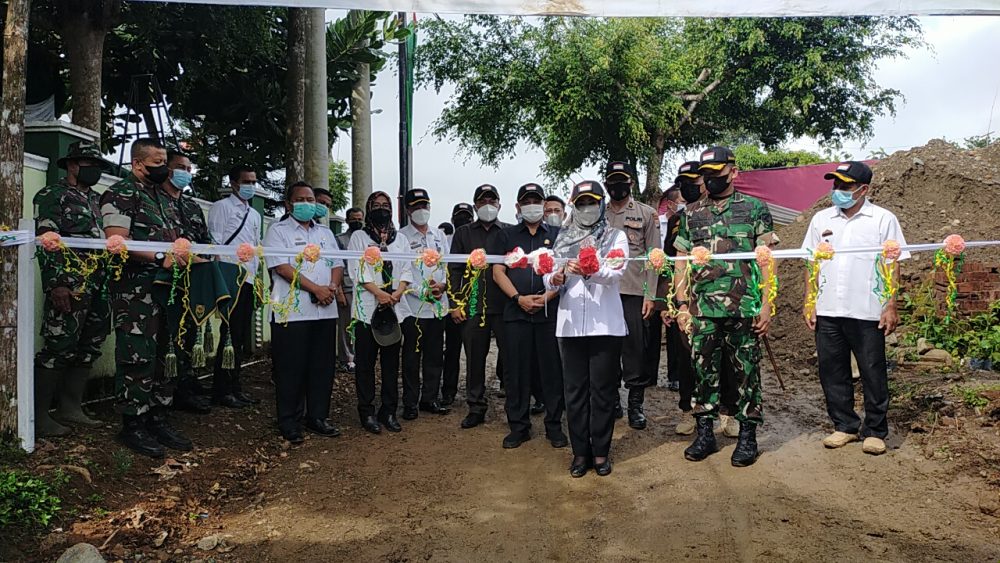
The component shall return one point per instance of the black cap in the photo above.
(460, 207)
(485, 189)
(715, 158)
(619, 168)
(688, 170)
(850, 172)
(530, 189)
(587, 188)
(416, 195)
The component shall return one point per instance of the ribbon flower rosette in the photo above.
(656, 260)
(516, 258)
(950, 259)
(823, 251)
(587, 261)
(542, 261)
(615, 259)
(885, 283)
(769, 274)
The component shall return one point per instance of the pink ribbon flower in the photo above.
(372, 255)
(181, 248)
(311, 253)
(891, 250)
(477, 259)
(116, 245)
(701, 255)
(245, 252)
(954, 244)
(430, 257)
(51, 241)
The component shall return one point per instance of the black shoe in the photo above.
(514, 440)
(580, 466)
(558, 440)
(603, 469)
(447, 400)
(370, 424)
(294, 437)
(674, 386)
(704, 444)
(230, 401)
(409, 413)
(390, 423)
(246, 398)
(473, 420)
(167, 435)
(537, 408)
(197, 404)
(618, 409)
(746, 452)
(636, 418)
(434, 408)
(502, 393)
(135, 437)
(323, 427)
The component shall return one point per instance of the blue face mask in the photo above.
(303, 211)
(321, 211)
(247, 191)
(843, 199)
(181, 179)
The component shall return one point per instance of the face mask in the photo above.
(587, 216)
(488, 213)
(354, 225)
(680, 207)
(380, 217)
(157, 174)
(532, 213)
(420, 217)
(88, 175)
(247, 191)
(460, 220)
(554, 220)
(843, 199)
(181, 179)
(619, 191)
(717, 185)
(690, 192)
(320, 211)
(303, 211)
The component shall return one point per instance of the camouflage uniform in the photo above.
(71, 339)
(725, 299)
(149, 214)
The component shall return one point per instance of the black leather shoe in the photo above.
(746, 452)
(579, 466)
(619, 413)
(473, 420)
(294, 437)
(537, 408)
(410, 413)
(603, 469)
(243, 396)
(704, 444)
(434, 408)
(391, 424)
(230, 401)
(135, 437)
(167, 435)
(447, 400)
(197, 404)
(323, 427)
(636, 418)
(370, 424)
(674, 386)
(558, 440)
(514, 440)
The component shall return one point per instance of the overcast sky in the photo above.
(950, 91)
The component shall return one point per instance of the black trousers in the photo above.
(227, 381)
(477, 346)
(452, 356)
(529, 347)
(633, 363)
(304, 364)
(652, 345)
(366, 353)
(836, 339)
(423, 350)
(590, 382)
(680, 363)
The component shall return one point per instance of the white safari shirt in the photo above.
(411, 305)
(289, 233)
(224, 218)
(847, 282)
(364, 308)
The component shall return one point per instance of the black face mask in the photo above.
(88, 175)
(157, 174)
(354, 225)
(460, 220)
(690, 192)
(380, 217)
(717, 185)
(619, 191)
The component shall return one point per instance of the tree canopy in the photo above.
(751, 157)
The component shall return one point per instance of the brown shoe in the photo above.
(873, 446)
(839, 439)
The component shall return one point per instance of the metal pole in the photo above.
(404, 162)
(26, 338)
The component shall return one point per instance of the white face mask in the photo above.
(488, 213)
(680, 207)
(554, 219)
(587, 216)
(532, 213)
(420, 217)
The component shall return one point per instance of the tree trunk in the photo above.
(85, 53)
(651, 195)
(361, 133)
(317, 145)
(15, 43)
(295, 105)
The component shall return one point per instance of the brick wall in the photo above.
(978, 287)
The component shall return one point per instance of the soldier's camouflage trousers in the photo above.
(140, 383)
(74, 339)
(712, 337)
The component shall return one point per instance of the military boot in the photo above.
(45, 387)
(636, 418)
(704, 444)
(746, 447)
(165, 434)
(71, 398)
(136, 438)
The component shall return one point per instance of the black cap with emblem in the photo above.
(463, 208)
(588, 188)
(484, 190)
(851, 172)
(416, 195)
(716, 158)
(620, 171)
(530, 189)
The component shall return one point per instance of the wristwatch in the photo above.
(159, 258)
(515, 298)
(680, 302)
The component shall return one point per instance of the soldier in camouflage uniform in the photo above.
(76, 315)
(189, 395)
(724, 311)
(138, 208)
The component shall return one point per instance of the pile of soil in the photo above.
(934, 190)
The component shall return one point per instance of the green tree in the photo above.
(340, 183)
(751, 157)
(586, 90)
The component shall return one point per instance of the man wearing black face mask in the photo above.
(345, 353)
(642, 226)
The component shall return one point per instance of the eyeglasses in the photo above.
(381, 206)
